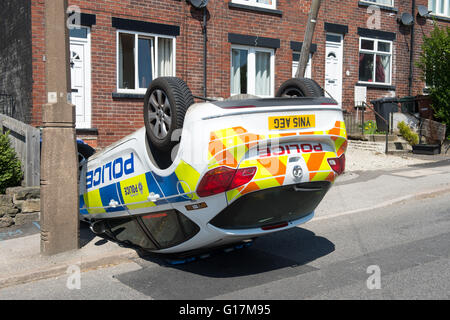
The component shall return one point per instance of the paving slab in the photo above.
(21, 260)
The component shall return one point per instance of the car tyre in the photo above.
(85, 151)
(165, 105)
(300, 87)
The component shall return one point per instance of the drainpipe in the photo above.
(205, 50)
(411, 53)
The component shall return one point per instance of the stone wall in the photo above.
(19, 206)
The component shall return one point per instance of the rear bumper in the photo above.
(272, 207)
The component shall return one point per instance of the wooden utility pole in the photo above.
(304, 55)
(59, 163)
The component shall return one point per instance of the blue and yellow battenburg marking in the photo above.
(133, 193)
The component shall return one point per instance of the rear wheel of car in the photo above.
(300, 87)
(165, 105)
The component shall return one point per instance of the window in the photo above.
(252, 71)
(170, 228)
(439, 7)
(296, 57)
(375, 61)
(389, 3)
(142, 58)
(269, 4)
(127, 229)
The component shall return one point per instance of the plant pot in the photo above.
(428, 149)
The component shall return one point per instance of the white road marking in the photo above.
(417, 173)
(384, 204)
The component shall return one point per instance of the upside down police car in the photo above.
(204, 175)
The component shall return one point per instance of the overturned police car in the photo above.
(203, 175)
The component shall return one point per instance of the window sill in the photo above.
(376, 86)
(87, 131)
(437, 17)
(382, 7)
(117, 95)
(253, 8)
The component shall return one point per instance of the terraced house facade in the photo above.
(360, 51)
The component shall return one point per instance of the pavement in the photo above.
(22, 262)
(355, 191)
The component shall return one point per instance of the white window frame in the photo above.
(376, 3)
(438, 7)
(376, 52)
(155, 67)
(251, 69)
(308, 70)
(254, 3)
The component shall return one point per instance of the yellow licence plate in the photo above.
(292, 122)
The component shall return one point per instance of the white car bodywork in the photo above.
(124, 181)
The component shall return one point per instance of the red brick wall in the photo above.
(348, 12)
(116, 118)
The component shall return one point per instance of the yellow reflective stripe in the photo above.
(190, 176)
(321, 176)
(306, 157)
(231, 195)
(213, 163)
(284, 159)
(339, 142)
(267, 183)
(261, 173)
(93, 200)
(224, 133)
(239, 152)
(137, 192)
(325, 166)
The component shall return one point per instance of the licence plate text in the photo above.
(292, 122)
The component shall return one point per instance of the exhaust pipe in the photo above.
(98, 227)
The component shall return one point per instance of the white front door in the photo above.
(80, 65)
(333, 66)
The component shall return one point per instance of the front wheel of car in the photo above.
(165, 105)
(300, 87)
(85, 151)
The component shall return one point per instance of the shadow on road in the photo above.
(86, 235)
(289, 249)
(277, 256)
(442, 163)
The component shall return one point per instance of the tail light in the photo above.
(337, 164)
(223, 179)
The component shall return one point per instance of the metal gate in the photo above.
(7, 105)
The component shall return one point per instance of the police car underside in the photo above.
(242, 169)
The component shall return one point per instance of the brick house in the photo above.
(253, 46)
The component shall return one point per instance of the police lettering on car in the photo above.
(111, 171)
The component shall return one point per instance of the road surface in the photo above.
(394, 250)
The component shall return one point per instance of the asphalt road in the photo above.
(335, 257)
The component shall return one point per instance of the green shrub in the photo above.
(434, 63)
(10, 168)
(407, 133)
